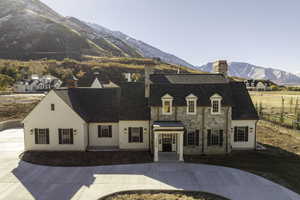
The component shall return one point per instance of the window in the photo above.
(191, 138)
(104, 131)
(167, 107)
(135, 135)
(52, 107)
(191, 102)
(214, 137)
(41, 136)
(167, 102)
(216, 104)
(66, 136)
(241, 134)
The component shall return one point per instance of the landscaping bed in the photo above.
(165, 195)
(76, 158)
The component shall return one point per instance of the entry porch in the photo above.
(168, 139)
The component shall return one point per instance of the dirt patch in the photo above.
(277, 136)
(165, 195)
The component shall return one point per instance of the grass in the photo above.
(164, 195)
(77, 158)
(279, 163)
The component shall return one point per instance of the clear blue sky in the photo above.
(262, 32)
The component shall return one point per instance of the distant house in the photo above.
(168, 113)
(259, 85)
(37, 83)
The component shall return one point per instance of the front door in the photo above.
(167, 143)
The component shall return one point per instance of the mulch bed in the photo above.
(164, 194)
(76, 158)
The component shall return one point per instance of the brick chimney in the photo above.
(220, 67)
(148, 71)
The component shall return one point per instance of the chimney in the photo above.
(220, 67)
(148, 71)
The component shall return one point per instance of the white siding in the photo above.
(123, 134)
(251, 137)
(96, 141)
(62, 117)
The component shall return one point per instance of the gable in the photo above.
(43, 110)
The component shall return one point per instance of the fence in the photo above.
(284, 120)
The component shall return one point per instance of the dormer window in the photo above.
(191, 102)
(167, 104)
(215, 104)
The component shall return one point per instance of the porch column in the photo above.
(155, 147)
(177, 144)
(181, 147)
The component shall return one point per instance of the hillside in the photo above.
(30, 29)
(249, 71)
(109, 68)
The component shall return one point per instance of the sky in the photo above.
(261, 32)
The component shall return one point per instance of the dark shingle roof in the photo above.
(180, 91)
(188, 79)
(133, 102)
(93, 105)
(243, 108)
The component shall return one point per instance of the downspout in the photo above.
(88, 134)
(227, 120)
(203, 127)
(255, 134)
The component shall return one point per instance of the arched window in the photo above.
(167, 104)
(191, 102)
(216, 104)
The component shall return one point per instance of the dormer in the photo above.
(167, 104)
(216, 100)
(191, 104)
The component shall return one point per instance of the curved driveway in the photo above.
(20, 180)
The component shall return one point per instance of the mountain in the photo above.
(249, 71)
(297, 74)
(30, 29)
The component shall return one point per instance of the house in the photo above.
(259, 85)
(179, 113)
(37, 84)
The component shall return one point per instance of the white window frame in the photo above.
(191, 98)
(167, 98)
(216, 98)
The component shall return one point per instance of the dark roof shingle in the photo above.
(188, 79)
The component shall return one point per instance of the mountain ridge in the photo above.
(250, 71)
(29, 29)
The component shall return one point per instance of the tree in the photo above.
(5, 81)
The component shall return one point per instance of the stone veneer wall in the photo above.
(202, 121)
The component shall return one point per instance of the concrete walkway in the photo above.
(20, 180)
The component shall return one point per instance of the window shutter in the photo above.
(129, 134)
(235, 134)
(110, 131)
(47, 136)
(197, 137)
(185, 137)
(60, 135)
(221, 137)
(208, 137)
(141, 134)
(71, 136)
(99, 131)
(36, 134)
(247, 134)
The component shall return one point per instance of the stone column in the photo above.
(177, 144)
(156, 147)
(181, 147)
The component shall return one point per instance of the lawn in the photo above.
(77, 158)
(164, 195)
(279, 163)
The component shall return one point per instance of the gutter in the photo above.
(255, 134)
(88, 134)
(227, 113)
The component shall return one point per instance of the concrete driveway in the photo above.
(20, 180)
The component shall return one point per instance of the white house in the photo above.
(179, 113)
